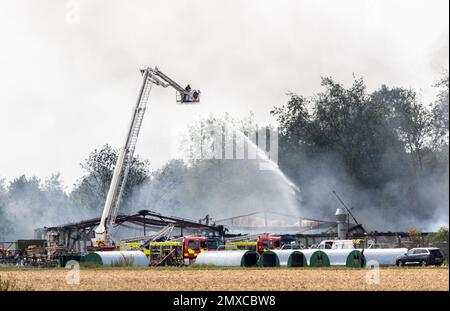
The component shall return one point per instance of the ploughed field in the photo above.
(192, 278)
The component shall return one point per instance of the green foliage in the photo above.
(407, 118)
(440, 239)
(441, 234)
(376, 147)
(91, 190)
(440, 111)
(415, 235)
(359, 127)
(385, 148)
(28, 203)
(4, 224)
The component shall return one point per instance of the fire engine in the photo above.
(176, 251)
(258, 242)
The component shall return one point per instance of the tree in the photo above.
(440, 239)
(4, 224)
(32, 204)
(294, 120)
(374, 148)
(349, 123)
(91, 190)
(23, 187)
(217, 138)
(415, 237)
(203, 140)
(408, 117)
(440, 113)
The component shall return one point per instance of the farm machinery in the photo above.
(29, 253)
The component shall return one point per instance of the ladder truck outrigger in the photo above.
(103, 233)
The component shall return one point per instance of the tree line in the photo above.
(385, 151)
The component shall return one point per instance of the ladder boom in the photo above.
(118, 182)
(172, 83)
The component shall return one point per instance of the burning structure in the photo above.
(76, 237)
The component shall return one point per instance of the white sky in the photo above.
(66, 89)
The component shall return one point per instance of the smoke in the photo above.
(195, 186)
(242, 55)
(398, 205)
(227, 188)
(222, 189)
(213, 179)
(29, 203)
(87, 69)
(439, 55)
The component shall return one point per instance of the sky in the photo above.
(69, 69)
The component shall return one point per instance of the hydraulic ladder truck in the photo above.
(150, 76)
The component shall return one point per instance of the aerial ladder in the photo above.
(150, 76)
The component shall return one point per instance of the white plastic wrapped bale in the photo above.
(235, 258)
(291, 257)
(118, 258)
(384, 256)
(345, 257)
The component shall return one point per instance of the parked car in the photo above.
(424, 256)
